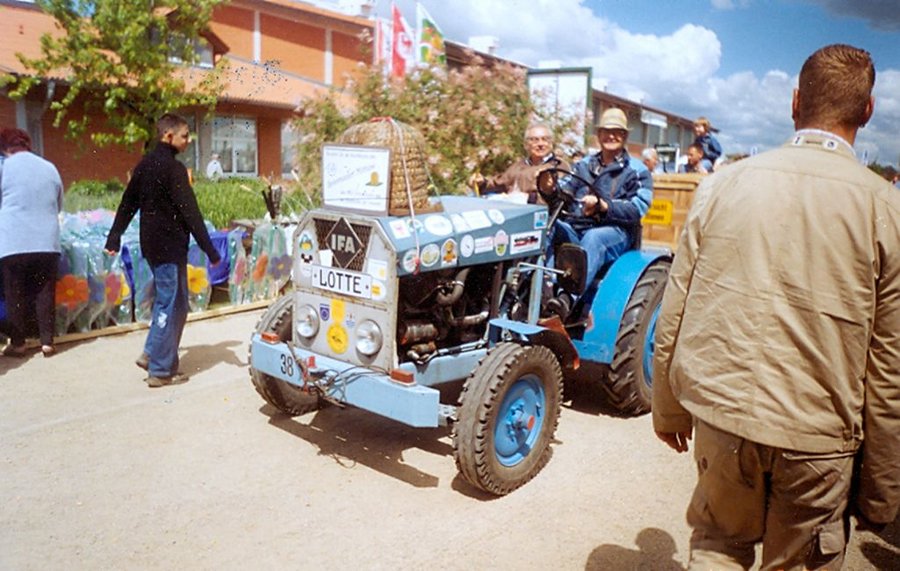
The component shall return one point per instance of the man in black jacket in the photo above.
(160, 189)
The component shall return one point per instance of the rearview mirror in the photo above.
(572, 260)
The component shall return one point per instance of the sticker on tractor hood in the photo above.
(341, 281)
(525, 242)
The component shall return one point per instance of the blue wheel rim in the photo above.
(520, 420)
(650, 346)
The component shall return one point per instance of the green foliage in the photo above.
(115, 57)
(473, 119)
(221, 202)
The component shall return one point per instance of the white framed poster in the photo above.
(356, 178)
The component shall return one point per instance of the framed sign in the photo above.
(356, 178)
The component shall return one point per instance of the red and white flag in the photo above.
(402, 54)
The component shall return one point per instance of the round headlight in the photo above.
(368, 338)
(307, 321)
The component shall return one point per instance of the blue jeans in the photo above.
(602, 244)
(170, 309)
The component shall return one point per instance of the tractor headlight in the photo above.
(368, 338)
(307, 321)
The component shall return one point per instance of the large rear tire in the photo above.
(286, 397)
(630, 381)
(509, 410)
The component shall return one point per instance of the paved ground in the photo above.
(97, 471)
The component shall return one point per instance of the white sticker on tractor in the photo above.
(438, 225)
(449, 255)
(377, 269)
(430, 255)
(496, 216)
(466, 246)
(410, 261)
(476, 219)
(484, 244)
(501, 240)
(400, 229)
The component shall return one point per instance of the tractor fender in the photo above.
(599, 342)
(551, 335)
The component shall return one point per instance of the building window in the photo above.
(234, 139)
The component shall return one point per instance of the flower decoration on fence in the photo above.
(116, 288)
(198, 279)
(97, 287)
(280, 267)
(262, 263)
(240, 270)
(72, 291)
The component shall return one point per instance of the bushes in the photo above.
(221, 201)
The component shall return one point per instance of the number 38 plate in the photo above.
(342, 281)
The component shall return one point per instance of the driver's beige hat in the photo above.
(613, 118)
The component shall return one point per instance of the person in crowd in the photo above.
(710, 146)
(650, 158)
(777, 342)
(695, 163)
(159, 188)
(613, 194)
(897, 180)
(214, 168)
(31, 198)
(521, 176)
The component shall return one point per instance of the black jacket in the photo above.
(160, 189)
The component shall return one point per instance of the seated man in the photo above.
(694, 162)
(607, 220)
(521, 176)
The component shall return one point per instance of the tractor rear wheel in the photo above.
(508, 413)
(287, 398)
(630, 381)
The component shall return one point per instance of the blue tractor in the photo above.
(385, 309)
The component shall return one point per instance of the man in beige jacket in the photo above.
(778, 341)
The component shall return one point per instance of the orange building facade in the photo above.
(278, 53)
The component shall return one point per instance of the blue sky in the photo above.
(734, 61)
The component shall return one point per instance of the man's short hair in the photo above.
(835, 87)
(169, 122)
(697, 146)
(649, 154)
(538, 125)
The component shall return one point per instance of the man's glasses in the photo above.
(538, 139)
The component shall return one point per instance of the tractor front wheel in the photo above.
(508, 413)
(287, 398)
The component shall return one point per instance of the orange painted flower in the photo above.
(197, 279)
(259, 271)
(71, 291)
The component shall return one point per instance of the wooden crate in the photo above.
(672, 197)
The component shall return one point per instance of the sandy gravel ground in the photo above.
(97, 471)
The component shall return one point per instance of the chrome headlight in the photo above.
(307, 321)
(368, 338)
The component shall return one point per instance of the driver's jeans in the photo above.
(602, 244)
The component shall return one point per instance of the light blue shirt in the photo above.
(31, 198)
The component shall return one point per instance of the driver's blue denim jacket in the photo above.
(625, 186)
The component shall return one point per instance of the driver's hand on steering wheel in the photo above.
(591, 203)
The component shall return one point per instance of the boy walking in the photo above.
(160, 189)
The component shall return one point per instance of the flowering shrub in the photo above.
(473, 119)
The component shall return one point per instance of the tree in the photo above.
(127, 61)
(472, 119)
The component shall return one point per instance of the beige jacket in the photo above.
(522, 174)
(781, 318)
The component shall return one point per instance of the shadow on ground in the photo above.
(351, 436)
(883, 554)
(655, 552)
(198, 358)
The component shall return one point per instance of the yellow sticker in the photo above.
(337, 310)
(660, 212)
(337, 338)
